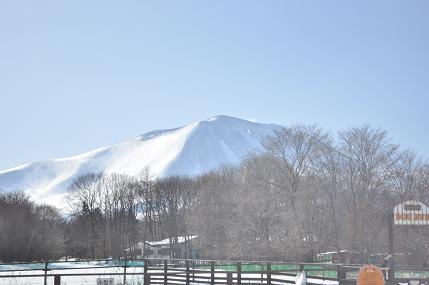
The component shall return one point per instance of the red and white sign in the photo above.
(411, 213)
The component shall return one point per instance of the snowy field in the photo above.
(106, 269)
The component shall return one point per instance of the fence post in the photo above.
(268, 273)
(57, 279)
(193, 270)
(187, 272)
(301, 268)
(165, 271)
(125, 271)
(45, 282)
(239, 273)
(229, 278)
(341, 275)
(212, 275)
(145, 275)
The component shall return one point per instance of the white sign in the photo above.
(411, 213)
(104, 281)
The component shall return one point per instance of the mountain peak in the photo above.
(221, 117)
(190, 150)
(226, 118)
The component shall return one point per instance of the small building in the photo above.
(170, 248)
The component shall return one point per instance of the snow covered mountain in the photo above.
(190, 150)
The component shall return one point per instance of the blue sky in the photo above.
(76, 75)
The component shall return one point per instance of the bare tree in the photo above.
(28, 231)
(295, 153)
(367, 160)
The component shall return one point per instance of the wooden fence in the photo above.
(188, 272)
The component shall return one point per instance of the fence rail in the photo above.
(190, 272)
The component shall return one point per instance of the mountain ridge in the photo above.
(189, 150)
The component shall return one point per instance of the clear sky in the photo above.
(77, 75)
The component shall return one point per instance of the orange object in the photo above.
(370, 275)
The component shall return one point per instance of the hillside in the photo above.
(190, 150)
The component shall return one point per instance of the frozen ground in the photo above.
(62, 268)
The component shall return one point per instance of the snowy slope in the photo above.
(189, 150)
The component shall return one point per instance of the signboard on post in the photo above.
(370, 275)
(411, 213)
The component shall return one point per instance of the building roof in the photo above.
(166, 241)
(180, 239)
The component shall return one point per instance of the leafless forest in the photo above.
(310, 191)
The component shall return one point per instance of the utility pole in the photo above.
(391, 260)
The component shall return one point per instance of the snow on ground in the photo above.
(190, 150)
(69, 268)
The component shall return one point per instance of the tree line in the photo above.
(309, 191)
(29, 231)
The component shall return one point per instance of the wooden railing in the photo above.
(166, 272)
